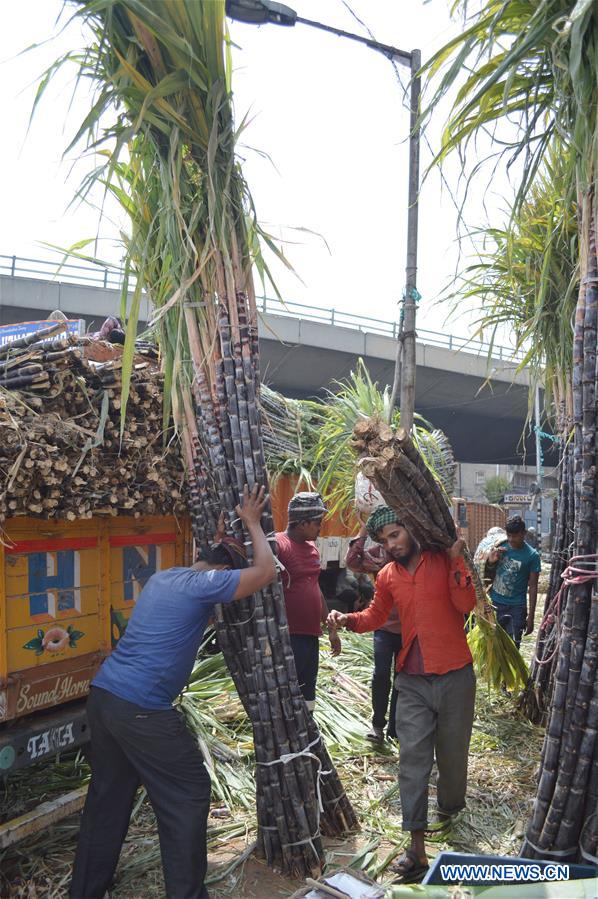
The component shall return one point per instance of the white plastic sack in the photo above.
(367, 498)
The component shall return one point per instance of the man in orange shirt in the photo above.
(431, 592)
(387, 641)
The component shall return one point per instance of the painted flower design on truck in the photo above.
(55, 639)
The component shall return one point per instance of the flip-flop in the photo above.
(409, 868)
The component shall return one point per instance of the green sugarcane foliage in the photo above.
(356, 398)
(291, 432)
(531, 62)
(495, 656)
(161, 120)
(531, 83)
(526, 277)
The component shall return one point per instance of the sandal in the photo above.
(375, 735)
(409, 868)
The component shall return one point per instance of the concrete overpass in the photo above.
(306, 349)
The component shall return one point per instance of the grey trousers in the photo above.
(434, 717)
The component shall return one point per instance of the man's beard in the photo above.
(404, 558)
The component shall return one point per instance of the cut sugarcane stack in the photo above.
(162, 75)
(397, 469)
(61, 453)
(294, 772)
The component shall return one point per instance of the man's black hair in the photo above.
(516, 525)
(219, 554)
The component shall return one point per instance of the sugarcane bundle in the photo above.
(391, 460)
(162, 74)
(300, 798)
(354, 399)
(61, 451)
(290, 430)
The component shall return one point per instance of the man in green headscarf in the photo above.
(431, 592)
(366, 556)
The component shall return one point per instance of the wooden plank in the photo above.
(41, 816)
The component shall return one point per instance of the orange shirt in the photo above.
(431, 604)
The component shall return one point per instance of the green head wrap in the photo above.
(380, 517)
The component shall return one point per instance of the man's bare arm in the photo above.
(263, 570)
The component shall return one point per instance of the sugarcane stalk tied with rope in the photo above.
(162, 115)
(546, 52)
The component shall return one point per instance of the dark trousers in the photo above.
(434, 718)
(130, 746)
(513, 619)
(306, 650)
(387, 646)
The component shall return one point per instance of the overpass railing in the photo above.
(110, 277)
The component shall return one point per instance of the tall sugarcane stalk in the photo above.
(536, 698)
(569, 772)
(254, 637)
(162, 73)
(536, 64)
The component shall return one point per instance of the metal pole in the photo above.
(390, 52)
(539, 471)
(405, 363)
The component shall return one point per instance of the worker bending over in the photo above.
(137, 737)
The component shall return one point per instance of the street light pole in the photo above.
(262, 12)
(405, 363)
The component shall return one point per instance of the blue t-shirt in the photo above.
(512, 575)
(154, 658)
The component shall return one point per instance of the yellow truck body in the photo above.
(66, 592)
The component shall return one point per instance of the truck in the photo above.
(66, 593)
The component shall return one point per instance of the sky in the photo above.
(325, 154)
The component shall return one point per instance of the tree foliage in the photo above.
(495, 488)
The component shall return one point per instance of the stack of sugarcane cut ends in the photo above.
(391, 461)
(62, 454)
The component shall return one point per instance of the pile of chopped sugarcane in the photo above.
(391, 460)
(61, 451)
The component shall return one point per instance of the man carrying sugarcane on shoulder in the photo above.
(137, 737)
(431, 592)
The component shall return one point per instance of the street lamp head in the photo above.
(260, 12)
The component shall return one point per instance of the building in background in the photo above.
(473, 480)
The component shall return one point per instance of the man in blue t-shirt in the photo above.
(514, 568)
(137, 737)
